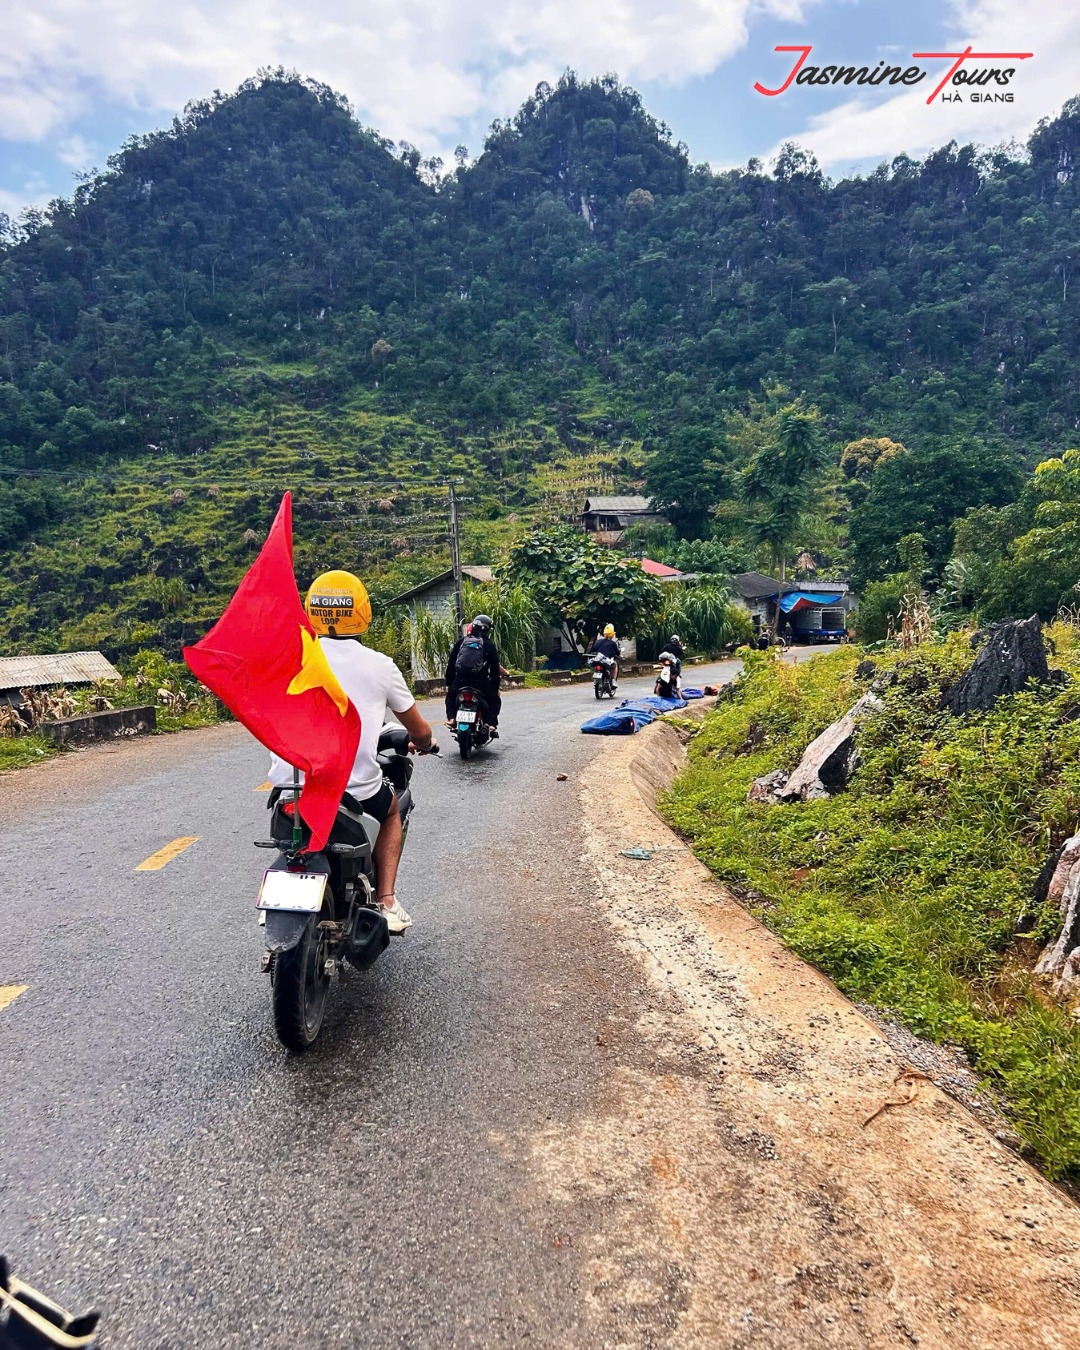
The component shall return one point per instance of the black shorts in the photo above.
(381, 803)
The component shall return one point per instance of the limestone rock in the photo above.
(768, 787)
(1012, 657)
(829, 760)
(1061, 959)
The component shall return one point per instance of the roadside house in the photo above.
(57, 668)
(608, 518)
(437, 597)
(810, 611)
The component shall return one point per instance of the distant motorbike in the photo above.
(470, 725)
(321, 909)
(602, 674)
(669, 680)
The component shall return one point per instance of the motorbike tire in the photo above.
(465, 744)
(597, 690)
(300, 990)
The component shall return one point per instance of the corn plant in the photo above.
(516, 615)
(432, 637)
(704, 616)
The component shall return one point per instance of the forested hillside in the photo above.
(266, 295)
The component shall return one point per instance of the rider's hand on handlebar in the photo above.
(432, 748)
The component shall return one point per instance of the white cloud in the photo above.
(33, 192)
(76, 152)
(416, 70)
(872, 126)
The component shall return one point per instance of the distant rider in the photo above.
(339, 610)
(474, 664)
(675, 647)
(608, 646)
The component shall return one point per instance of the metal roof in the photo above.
(755, 585)
(480, 574)
(659, 569)
(32, 672)
(613, 506)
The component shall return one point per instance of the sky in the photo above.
(77, 78)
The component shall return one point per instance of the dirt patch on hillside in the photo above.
(742, 1184)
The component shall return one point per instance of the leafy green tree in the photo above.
(686, 479)
(778, 484)
(931, 487)
(1040, 570)
(581, 586)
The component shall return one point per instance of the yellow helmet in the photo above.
(609, 630)
(338, 605)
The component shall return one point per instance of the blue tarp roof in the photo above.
(791, 600)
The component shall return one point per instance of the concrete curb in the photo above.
(101, 726)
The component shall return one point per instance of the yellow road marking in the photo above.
(157, 861)
(263, 787)
(9, 993)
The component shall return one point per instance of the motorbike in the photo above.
(602, 668)
(470, 727)
(321, 910)
(29, 1320)
(669, 680)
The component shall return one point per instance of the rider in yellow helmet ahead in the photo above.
(340, 611)
(608, 646)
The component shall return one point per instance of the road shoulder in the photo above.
(756, 1194)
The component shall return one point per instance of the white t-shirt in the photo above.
(373, 684)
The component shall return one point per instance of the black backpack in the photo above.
(470, 657)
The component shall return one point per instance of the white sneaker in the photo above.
(397, 918)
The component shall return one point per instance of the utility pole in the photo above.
(455, 560)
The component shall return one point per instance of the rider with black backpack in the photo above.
(474, 664)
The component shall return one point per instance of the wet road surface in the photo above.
(163, 1157)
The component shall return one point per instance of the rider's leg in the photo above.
(387, 853)
(615, 673)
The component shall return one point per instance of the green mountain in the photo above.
(267, 296)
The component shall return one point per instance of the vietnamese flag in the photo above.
(263, 661)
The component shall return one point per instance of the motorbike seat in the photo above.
(352, 826)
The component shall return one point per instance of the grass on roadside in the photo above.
(911, 889)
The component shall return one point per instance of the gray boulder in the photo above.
(1012, 656)
(830, 759)
(827, 763)
(768, 787)
(1061, 959)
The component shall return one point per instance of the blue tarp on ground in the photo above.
(631, 715)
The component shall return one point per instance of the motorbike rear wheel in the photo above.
(301, 987)
(597, 690)
(465, 743)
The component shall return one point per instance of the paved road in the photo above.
(161, 1155)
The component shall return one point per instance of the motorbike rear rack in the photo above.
(30, 1321)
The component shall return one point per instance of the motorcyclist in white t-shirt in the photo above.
(340, 610)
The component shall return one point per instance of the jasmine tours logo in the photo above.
(960, 83)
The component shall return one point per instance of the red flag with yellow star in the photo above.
(263, 661)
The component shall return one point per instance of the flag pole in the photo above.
(297, 827)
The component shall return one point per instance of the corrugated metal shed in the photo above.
(617, 506)
(32, 672)
(479, 574)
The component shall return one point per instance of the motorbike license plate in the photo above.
(300, 891)
(597, 674)
(466, 716)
